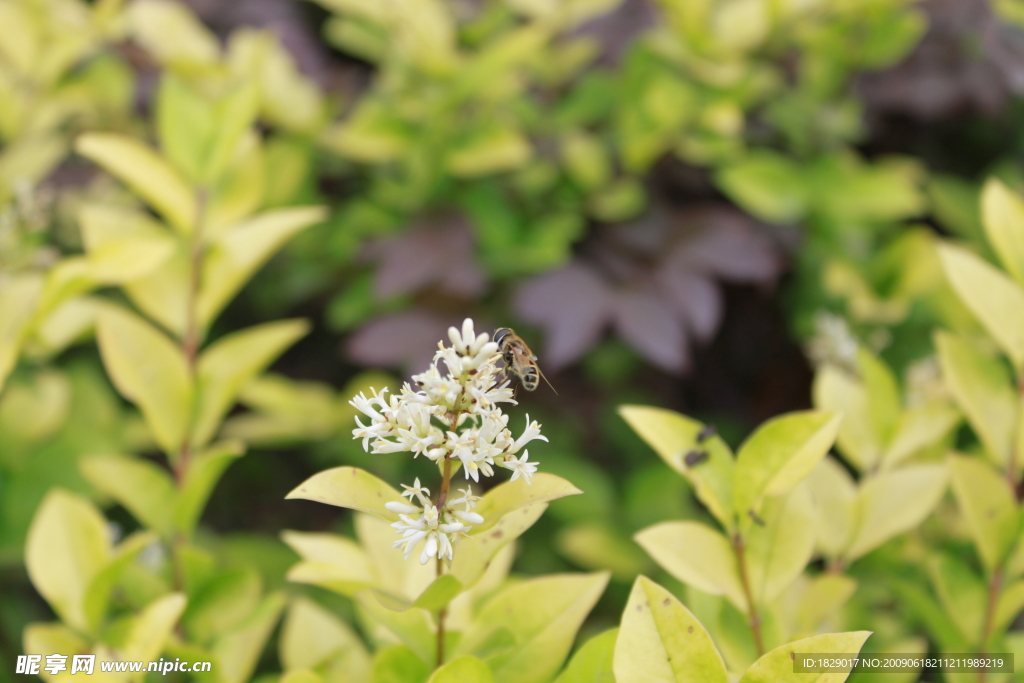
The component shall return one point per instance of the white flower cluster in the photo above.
(451, 416)
(441, 529)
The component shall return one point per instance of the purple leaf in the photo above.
(652, 328)
(435, 253)
(571, 305)
(406, 340)
(696, 298)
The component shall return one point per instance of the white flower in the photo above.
(520, 466)
(441, 529)
(531, 432)
(452, 416)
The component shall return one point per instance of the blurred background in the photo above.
(684, 203)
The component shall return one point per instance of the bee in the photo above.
(519, 359)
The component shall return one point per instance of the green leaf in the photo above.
(349, 487)
(464, 669)
(493, 149)
(55, 637)
(1002, 213)
(1009, 606)
(399, 664)
(162, 294)
(858, 439)
(672, 436)
(779, 455)
(185, 124)
(962, 593)
(412, 627)
(543, 615)
(836, 508)
(122, 244)
(919, 428)
(438, 594)
(697, 555)
(982, 389)
(777, 666)
(768, 185)
(592, 663)
(824, 596)
(235, 113)
(237, 653)
(230, 363)
(67, 547)
(149, 370)
(586, 160)
(236, 254)
(145, 172)
(513, 495)
(475, 552)
(331, 562)
(204, 471)
(312, 636)
(221, 604)
(778, 550)
(142, 487)
(172, 34)
(97, 595)
(988, 505)
(991, 296)
(150, 629)
(894, 502)
(660, 640)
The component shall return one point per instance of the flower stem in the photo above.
(995, 587)
(442, 498)
(753, 618)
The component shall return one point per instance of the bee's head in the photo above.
(501, 333)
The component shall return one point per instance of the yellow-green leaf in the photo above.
(143, 170)
(330, 561)
(893, 502)
(543, 616)
(836, 512)
(982, 389)
(697, 555)
(67, 547)
(232, 361)
(237, 253)
(513, 495)
(777, 666)
(149, 370)
(988, 505)
(172, 34)
(122, 244)
(312, 635)
(660, 640)
(412, 626)
(779, 455)
(962, 593)
(672, 436)
(1002, 214)
(778, 549)
(593, 662)
(463, 669)
(475, 552)
(143, 488)
(992, 297)
(858, 440)
(204, 470)
(237, 652)
(150, 629)
(349, 487)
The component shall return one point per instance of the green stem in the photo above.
(753, 618)
(442, 498)
(995, 587)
